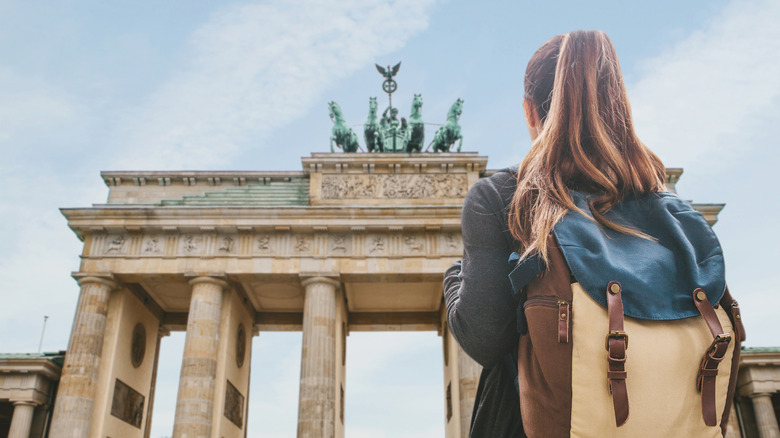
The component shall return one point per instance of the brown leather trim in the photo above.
(732, 309)
(708, 370)
(544, 364)
(617, 344)
(564, 315)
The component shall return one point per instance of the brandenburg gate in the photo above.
(352, 242)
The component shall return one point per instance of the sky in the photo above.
(87, 86)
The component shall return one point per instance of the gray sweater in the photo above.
(481, 312)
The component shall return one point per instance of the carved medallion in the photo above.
(394, 186)
(240, 345)
(138, 345)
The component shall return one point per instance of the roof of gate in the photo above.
(289, 192)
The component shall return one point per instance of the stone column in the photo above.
(468, 379)
(76, 394)
(765, 415)
(195, 402)
(317, 399)
(22, 419)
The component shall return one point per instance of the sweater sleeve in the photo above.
(481, 312)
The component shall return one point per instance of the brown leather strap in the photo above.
(564, 315)
(708, 370)
(736, 316)
(616, 345)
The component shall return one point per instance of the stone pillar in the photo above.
(317, 399)
(765, 415)
(195, 402)
(22, 419)
(76, 395)
(468, 379)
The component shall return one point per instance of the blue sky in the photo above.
(87, 86)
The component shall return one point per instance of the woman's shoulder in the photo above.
(498, 187)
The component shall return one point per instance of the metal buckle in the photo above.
(615, 334)
(719, 339)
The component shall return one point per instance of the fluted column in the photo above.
(468, 378)
(317, 399)
(76, 394)
(195, 402)
(21, 420)
(765, 415)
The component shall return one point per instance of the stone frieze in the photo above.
(391, 243)
(394, 186)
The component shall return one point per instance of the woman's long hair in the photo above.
(586, 142)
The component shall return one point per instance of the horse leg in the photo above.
(461, 143)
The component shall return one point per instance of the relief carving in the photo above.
(234, 405)
(452, 243)
(152, 245)
(127, 404)
(190, 243)
(302, 243)
(338, 244)
(264, 243)
(377, 245)
(116, 244)
(227, 245)
(413, 246)
(394, 186)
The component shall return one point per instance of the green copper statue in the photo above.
(389, 134)
(371, 132)
(415, 133)
(343, 135)
(448, 134)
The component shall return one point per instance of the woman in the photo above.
(585, 225)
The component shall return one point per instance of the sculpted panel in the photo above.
(339, 244)
(116, 244)
(394, 186)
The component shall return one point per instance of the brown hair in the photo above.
(586, 142)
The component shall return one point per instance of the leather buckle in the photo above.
(615, 334)
(723, 338)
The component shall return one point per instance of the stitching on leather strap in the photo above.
(616, 344)
(708, 369)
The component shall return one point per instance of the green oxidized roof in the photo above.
(749, 350)
(56, 357)
(292, 191)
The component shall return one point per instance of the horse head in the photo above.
(417, 102)
(334, 111)
(456, 109)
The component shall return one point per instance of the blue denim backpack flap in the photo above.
(657, 276)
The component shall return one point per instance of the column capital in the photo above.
(759, 394)
(209, 280)
(332, 279)
(24, 403)
(104, 278)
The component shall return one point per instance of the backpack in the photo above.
(577, 375)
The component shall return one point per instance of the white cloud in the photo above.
(701, 100)
(256, 67)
